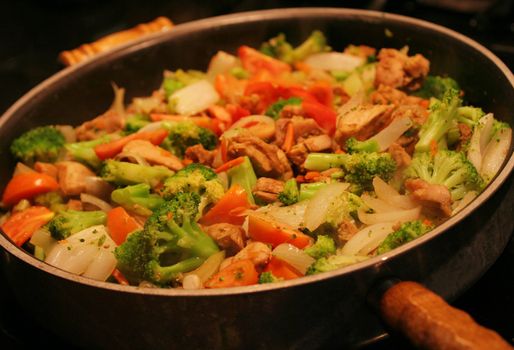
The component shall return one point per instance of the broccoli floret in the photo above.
(137, 198)
(185, 134)
(323, 247)
(355, 146)
(239, 73)
(449, 168)
(68, 222)
(442, 117)
(135, 122)
(194, 178)
(42, 144)
(342, 208)
(333, 262)
(170, 243)
(469, 115)
(85, 151)
(244, 175)
(290, 195)
(124, 173)
(174, 81)
(436, 86)
(278, 47)
(52, 200)
(268, 277)
(274, 110)
(406, 233)
(359, 169)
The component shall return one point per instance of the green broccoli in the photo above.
(308, 190)
(343, 207)
(436, 86)
(68, 222)
(406, 233)
(85, 151)
(442, 117)
(185, 134)
(268, 277)
(124, 173)
(323, 247)
(136, 122)
(355, 146)
(449, 168)
(137, 198)
(174, 81)
(52, 200)
(290, 195)
(274, 110)
(278, 47)
(194, 178)
(469, 115)
(244, 175)
(240, 73)
(333, 262)
(42, 144)
(170, 243)
(359, 168)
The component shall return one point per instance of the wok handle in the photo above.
(430, 323)
(111, 41)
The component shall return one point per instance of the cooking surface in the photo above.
(34, 32)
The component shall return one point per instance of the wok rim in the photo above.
(255, 16)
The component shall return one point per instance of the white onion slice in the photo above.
(295, 257)
(261, 126)
(102, 265)
(334, 61)
(153, 126)
(191, 282)
(367, 239)
(98, 187)
(292, 215)
(42, 238)
(468, 197)
(392, 132)
(389, 195)
(479, 140)
(495, 153)
(131, 157)
(220, 63)
(318, 205)
(378, 205)
(391, 216)
(97, 202)
(194, 98)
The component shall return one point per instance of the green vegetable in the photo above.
(85, 151)
(449, 168)
(174, 81)
(136, 122)
(170, 243)
(137, 198)
(68, 222)
(239, 73)
(274, 110)
(308, 190)
(243, 175)
(278, 47)
(355, 146)
(186, 134)
(52, 200)
(323, 247)
(406, 233)
(290, 195)
(437, 87)
(124, 173)
(42, 144)
(333, 262)
(268, 277)
(360, 79)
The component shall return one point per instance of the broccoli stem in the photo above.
(308, 190)
(85, 151)
(324, 161)
(137, 198)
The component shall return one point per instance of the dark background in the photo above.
(33, 32)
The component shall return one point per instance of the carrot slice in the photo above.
(280, 268)
(239, 273)
(289, 138)
(111, 149)
(120, 224)
(312, 175)
(264, 228)
(230, 164)
(229, 208)
(21, 225)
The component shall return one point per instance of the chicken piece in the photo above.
(400, 156)
(397, 70)
(386, 95)
(74, 204)
(299, 152)
(153, 154)
(198, 154)
(230, 238)
(268, 160)
(46, 168)
(435, 198)
(106, 123)
(72, 177)
(363, 122)
(360, 50)
(258, 252)
(346, 230)
(302, 128)
(268, 189)
(465, 134)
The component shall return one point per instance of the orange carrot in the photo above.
(21, 225)
(120, 224)
(230, 164)
(280, 268)
(111, 149)
(312, 175)
(433, 148)
(264, 228)
(27, 186)
(229, 208)
(238, 273)
(289, 138)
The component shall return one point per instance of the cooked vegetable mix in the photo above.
(275, 163)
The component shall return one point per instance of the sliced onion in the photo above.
(80, 259)
(392, 132)
(355, 101)
(153, 126)
(210, 266)
(97, 202)
(378, 205)
(194, 98)
(334, 61)
(261, 126)
(389, 195)
(367, 239)
(495, 153)
(391, 216)
(102, 265)
(479, 140)
(468, 197)
(295, 257)
(191, 282)
(220, 63)
(317, 208)
(43, 239)
(98, 187)
(131, 157)
(292, 215)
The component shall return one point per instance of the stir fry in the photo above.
(277, 162)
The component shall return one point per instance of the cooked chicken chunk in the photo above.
(106, 123)
(430, 196)
(198, 154)
(259, 253)
(72, 177)
(153, 154)
(268, 189)
(398, 70)
(363, 122)
(400, 156)
(301, 150)
(302, 128)
(230, 238)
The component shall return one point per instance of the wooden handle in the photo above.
(110, 41)
(430, 323)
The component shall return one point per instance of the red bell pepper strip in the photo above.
(325, 116)
(264, 228)
(254, 61)
(323, 92)
(228, 208)
(20, 226)
(111, 149)
(28, 185)
(230, 164)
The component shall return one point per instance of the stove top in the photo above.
(33, 32)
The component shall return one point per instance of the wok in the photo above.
(306, 313)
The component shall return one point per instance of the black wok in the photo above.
(303, 313)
